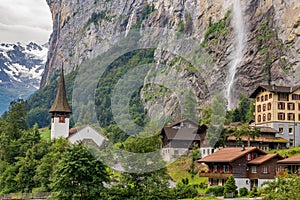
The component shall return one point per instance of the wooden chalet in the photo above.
(240, 162)
(179, 137)
(266, 141)
(289, 165)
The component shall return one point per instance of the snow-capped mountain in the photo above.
(21, 69)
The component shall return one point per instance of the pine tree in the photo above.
(230, 186)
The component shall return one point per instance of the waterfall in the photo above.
(236, 56)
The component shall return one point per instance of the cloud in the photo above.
(25, 21)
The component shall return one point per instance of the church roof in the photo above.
(60, 103)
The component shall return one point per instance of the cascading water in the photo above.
(236, 56)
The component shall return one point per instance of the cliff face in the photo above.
(270, 45)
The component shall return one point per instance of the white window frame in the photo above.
(254, 169)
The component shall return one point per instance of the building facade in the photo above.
(180, 137)
(278, 107)
(249, 166)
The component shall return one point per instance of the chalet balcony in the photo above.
(216, 175)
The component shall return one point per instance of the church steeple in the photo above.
(60, 111)
(60, 104)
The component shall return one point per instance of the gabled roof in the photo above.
(60, 104)
(229, 154)
(265, 129)
(180, 121)
(261, 159)
(275, 89)
(291, 160)
(181, 134)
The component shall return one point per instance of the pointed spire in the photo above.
(60, 104)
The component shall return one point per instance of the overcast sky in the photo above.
(25, 21)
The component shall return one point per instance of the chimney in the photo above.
(243, 148)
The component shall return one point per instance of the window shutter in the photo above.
(269, 169)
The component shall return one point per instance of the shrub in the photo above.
(254, 192)
(183, 190)
(230, 186)
(219, 190)
(243, 192)
(216, 190)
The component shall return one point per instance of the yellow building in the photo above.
(279, 107)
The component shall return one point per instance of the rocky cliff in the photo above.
(269, 47)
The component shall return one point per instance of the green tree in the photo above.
(282, 188)
(143, 184)
(195, 156)
(48, 162)
(230, 186)
(78, 175)
(247, 131)
(16, 118)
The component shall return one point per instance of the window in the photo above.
(279, 169)
(249, 156)
(266, 97)
(265, 169)
(259, 118)
(262, 98)
(291, 106)
(208, 151)
(269, 117)
(253, 169)
(203, 152)
(298, 117)
(270, 96)
(296, 97)
(264, 117)
(264, 107)
(269, 106)
(61, 119)
(281, 116)
(283, 97)
(281, 105)
(257, 99)
(215, 168)
(291, 130)
(226, 168)
(298, 106)
(259, 108)
(291, 116)
(176, 152)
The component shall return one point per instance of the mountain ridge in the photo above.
(21, 69)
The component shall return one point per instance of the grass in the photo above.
(289, 152)
(179, 170)
(45, 133)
